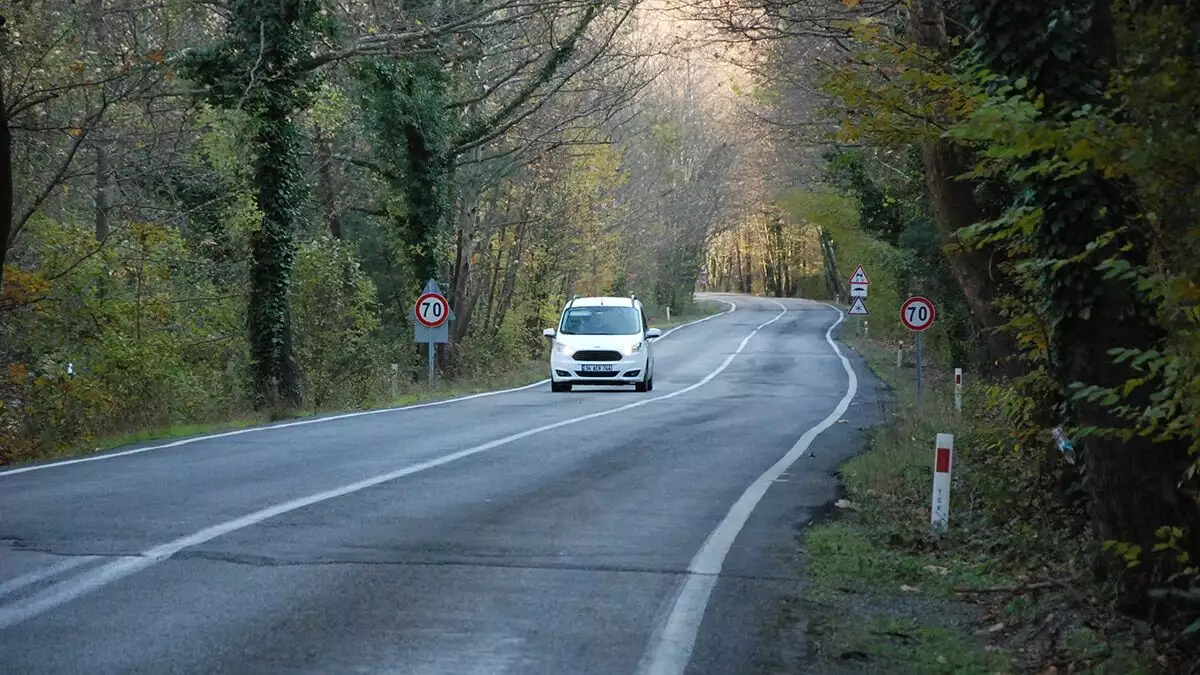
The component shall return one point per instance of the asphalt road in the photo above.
(499, 534)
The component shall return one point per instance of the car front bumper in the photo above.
(629, 370)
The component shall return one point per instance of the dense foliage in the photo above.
(1034, 167)
(217, 211)
(1059, 139)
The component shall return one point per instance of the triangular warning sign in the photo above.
(859, 276)
(858, 308)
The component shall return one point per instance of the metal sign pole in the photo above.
(919, 383)
(432, 361)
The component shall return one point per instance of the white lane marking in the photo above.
(670, 650)
(122, 567)
(315, 420)
(17, 583)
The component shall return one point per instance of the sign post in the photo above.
(917, 314)
(958, 390)
(431, 316)
(943, 459)
(858, 297)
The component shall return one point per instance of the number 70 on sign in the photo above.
(917, 313)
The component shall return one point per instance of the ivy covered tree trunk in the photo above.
(1133, 484)
(6, 186)
(428, 196)
(407, 102)
(273, 253)
(955, 206)
(256, 70)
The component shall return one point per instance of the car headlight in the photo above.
(564, 349)
(633, 349)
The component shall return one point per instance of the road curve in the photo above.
(603, 532)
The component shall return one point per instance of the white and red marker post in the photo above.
(943, 461)
(958, 390)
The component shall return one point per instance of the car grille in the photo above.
(608, 374)
(596, 355)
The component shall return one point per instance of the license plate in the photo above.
(596, 369)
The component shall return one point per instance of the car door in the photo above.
(649, 344)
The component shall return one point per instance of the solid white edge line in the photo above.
(125, 566)
(314, 420)
(670, 650)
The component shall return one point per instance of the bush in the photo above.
(337, 327)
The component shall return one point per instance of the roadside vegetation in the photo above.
(1009, 587)
(218, 214)
(1031, 167)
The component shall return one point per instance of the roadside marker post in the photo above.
(958, 390)
(431, 317)
(917, 314)
(900, 355)
(943, 461)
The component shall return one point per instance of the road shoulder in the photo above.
(879, 593)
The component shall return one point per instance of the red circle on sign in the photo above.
(917, 313)
(432, 310)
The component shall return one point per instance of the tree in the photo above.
(262, 69)
(1075, 228)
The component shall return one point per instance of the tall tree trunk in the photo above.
(977, 271)
(464, 247)
(102, 185)
(514, 266)
(323, 156)
(6, 184)
(1134, 485)
(273, 252)
(497, 252)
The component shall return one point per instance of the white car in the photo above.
(602, 341)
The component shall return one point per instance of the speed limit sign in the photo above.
(917, 313)
(432, 310)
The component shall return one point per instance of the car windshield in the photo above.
(602, 321)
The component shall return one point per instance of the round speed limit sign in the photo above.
(917, 313)
(432, 310)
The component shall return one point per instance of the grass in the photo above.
(897, 645)
(521, 375)
(889, 596)
(524, 374)
(698, 310)
(847, 555)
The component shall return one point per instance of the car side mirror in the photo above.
(550, 333)
(653, 334)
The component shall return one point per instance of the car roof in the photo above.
(602, 301)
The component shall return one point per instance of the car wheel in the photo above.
(559, 388)
(650, 384)
(644, 386)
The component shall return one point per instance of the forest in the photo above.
(225, 211)
(214, 210)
